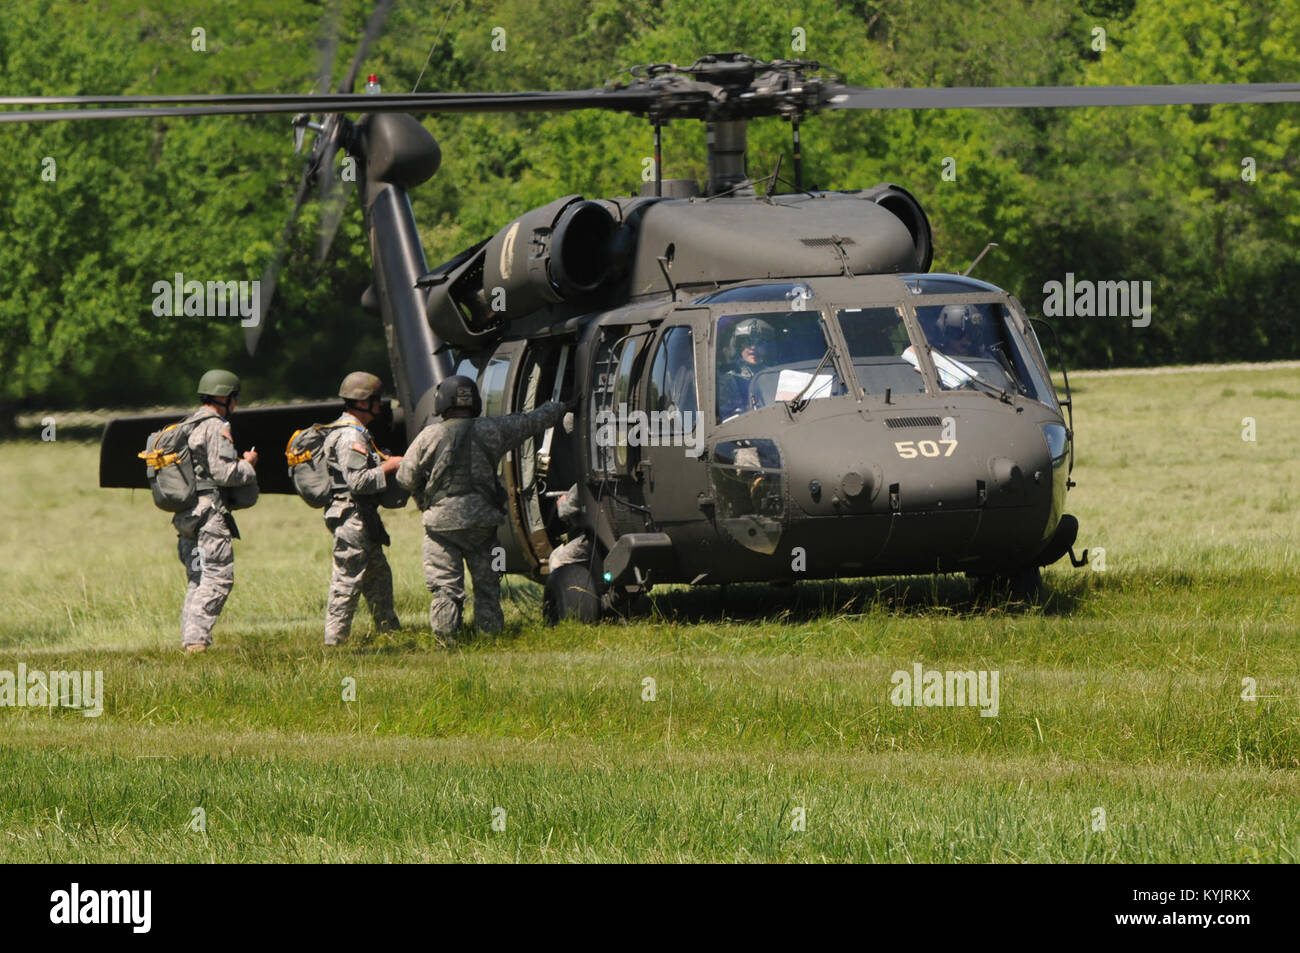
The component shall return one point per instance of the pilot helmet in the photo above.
(751, 332)
(961, 320)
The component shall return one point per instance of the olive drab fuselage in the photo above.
(882, 435)
(862, 475)
(854, 429)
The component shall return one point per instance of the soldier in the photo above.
(206, 531)
(578, 548)
(962, 328)
(359, 473)
(452, 470)
(750, 343)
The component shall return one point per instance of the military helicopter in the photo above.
(774, 386)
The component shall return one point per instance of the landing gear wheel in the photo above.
(622, 600)
(570, 593)
(1021, 585)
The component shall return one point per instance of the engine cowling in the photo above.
(567, 249)
(904, 206)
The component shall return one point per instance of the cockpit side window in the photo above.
(492, 385)
(672, 375)
(767, 357)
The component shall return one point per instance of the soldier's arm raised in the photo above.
(514, 429)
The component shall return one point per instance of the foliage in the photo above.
(1137, 194)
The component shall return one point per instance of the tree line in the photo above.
(1199, 201)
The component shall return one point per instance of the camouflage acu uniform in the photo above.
(360, 567)
(452, 470)
(206, 531)
(578, 548)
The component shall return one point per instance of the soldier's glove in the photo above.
(572, 402)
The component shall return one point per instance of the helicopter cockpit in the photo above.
(770, 357)
(974, 343)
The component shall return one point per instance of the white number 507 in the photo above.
(910, 449)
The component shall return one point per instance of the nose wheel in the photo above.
(1022, 585)
(570, 593)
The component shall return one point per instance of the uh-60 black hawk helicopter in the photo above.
(774, 387)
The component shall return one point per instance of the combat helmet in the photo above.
(218, 383)
(457, 393)
(960, 319)
(361, 386)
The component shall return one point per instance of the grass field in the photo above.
(1122, 693)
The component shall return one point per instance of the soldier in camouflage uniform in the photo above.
(206, 531)
(359, 473)
(452, 470)
(578, 549)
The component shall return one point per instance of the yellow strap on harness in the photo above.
(295, 458)
(156, 458)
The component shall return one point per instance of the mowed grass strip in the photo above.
(1184, 712)
(1123, 691)
(274, 797)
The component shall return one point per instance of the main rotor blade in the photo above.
(641, 99)
(335, 204)
(1015, 97)
(375, 24)
(326, 46)
(628, 100)
(253, 332)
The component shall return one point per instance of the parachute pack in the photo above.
(309, 469)
(170, 467)
(305, 454)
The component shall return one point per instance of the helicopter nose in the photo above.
(850, 463)
(905, 493)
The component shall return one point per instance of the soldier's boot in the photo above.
(444, 619)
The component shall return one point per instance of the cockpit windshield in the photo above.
(773, 356)
(879, 346)
(980, 340)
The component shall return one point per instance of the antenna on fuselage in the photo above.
(978, 257)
